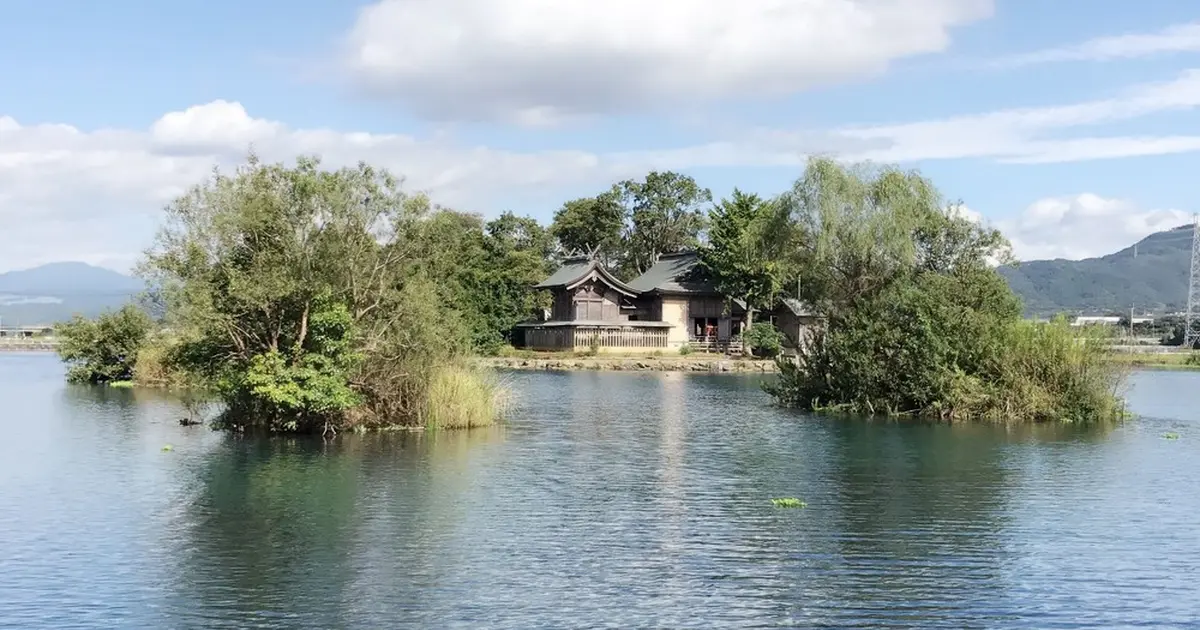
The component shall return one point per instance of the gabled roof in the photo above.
(798, 308)
(576, 271)
(572, 269)
(675, 273)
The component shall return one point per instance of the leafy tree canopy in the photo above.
(629, 226)
(591, 225)
(742, 256)
(667, 213)
(105, 349)
(306, 297)
(917, 321)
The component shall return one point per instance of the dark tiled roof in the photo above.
(675, 273)
(575, 270)
(572, 269)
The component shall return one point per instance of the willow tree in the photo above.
(299, 295)
(916, 319)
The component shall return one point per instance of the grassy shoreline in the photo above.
(630, 363)
(721, 363)
(1154, 360)
(695, 362)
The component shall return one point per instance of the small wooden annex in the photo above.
(668, 306)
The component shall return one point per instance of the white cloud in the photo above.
(1083, 226)
(540, 61)
(69, 194)
(966, 212)
(1172, 39)
(1024, 135)
(219, 124)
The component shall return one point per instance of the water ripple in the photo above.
(608, 501)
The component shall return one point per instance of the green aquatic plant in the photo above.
(121, 384)
(167, 448)
(789, 502)
(1170, 435)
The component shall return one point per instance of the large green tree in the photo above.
(519, 254)
(301, 294)
(628, 227)
(854, 230)
(592, 226)
(105, 349)
(741, 255)
(666, 214)
(917, 320)
(484, 271)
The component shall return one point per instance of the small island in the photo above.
(315, 301)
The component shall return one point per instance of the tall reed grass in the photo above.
(1042, 372)
(463, 397)
(1013, 372)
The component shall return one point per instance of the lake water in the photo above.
(608, 500)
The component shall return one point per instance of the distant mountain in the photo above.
(54, 292)
(1154, 280)
(1150, 276)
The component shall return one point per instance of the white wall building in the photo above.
(1089, 320)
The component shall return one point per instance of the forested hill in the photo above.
(1153, 280)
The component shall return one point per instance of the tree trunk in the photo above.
(303, 333)
(746, 349)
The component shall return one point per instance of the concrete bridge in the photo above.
(25, 332)
(27, 338)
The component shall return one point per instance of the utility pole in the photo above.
(1132, 340)
(1192, 321)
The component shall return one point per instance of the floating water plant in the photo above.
(121, 384)
(790, 502)
(1170, 436)
(168, 447)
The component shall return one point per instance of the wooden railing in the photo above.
(621, 337)
(600, 337)
(710, 343)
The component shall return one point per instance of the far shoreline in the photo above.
(618, 363)
(22, 348)
(700, 363)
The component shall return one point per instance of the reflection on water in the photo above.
(621, 500)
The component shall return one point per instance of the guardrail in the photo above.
(28, 344)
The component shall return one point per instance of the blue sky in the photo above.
(1071, 125)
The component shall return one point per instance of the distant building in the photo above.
(1096, 320)
(671, 305)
